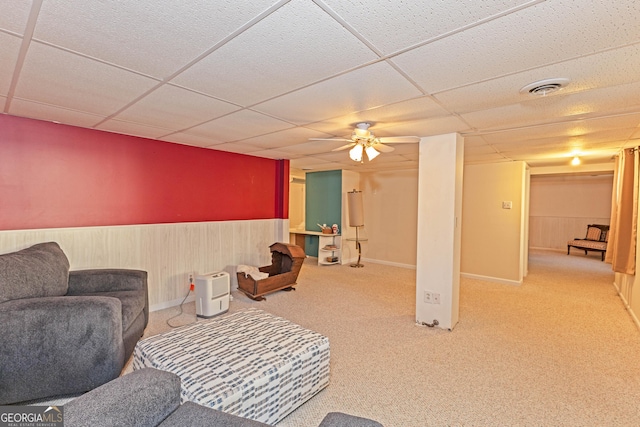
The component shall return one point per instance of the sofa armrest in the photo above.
(338, 419)
(141, 398)
(106, 280)
(58, 345)
(82, 282)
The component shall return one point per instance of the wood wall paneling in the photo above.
(168, 252)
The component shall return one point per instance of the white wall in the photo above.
(390, 201)
(168, 252)
(493, 238)
(350, 181)
(563, 205)
(296, 198)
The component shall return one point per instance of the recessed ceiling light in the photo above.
(545, 87)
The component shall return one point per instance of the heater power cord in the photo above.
(181, 311)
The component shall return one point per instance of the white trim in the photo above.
(172, 303)
(393, 264)
(626, 305)
(491, 279)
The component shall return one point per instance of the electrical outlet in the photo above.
(428, 297)
(191, 278)
(436, 298)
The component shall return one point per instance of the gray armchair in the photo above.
(64, 332)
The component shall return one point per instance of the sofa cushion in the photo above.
(41, 270)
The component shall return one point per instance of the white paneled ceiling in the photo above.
(261, 77)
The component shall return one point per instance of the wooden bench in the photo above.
(595, 240)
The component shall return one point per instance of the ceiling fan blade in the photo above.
(399, 139)
(344, 147)
(383, 148)
(330, 139)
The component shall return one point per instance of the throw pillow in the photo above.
(39, 271)
(593, 233)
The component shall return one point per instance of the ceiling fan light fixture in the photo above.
(362, 131)
(372, 153)
(356, 153)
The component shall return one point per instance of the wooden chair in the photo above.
(595, 240)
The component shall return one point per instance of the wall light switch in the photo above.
(507, 205)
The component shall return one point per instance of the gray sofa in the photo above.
(150, 397)
(64, 332)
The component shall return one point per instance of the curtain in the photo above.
(623, 246)
(613, 219)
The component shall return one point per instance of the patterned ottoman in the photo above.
(249, 363)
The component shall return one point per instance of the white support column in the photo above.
(439, 230)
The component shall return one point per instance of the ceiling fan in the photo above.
(363, 140)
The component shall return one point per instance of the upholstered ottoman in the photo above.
(249, 363)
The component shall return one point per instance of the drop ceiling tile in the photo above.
(383, 117)
(470, 150)
(312, 147)
(333, 156)
(238, 126)
(9, 49)
(156, 38)
(297, 135)
(430, 126)
(602, 155)
(175, 108)
(554, 108)
(405, 149)
(187, 139)
(574, 142)
(485, 158)
(235, 147)
(134, 129)
(473, 141)
(609, 68)
(356, 91)
(536, 36)
(565, 129)
(14, 15)
(56, 77)
(35, 110)
(308, 163)
(297, 45)
(274, 154)
(391, 26)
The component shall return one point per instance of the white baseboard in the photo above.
(492, 279)
(173, 303)
(626, 304)
(393, 264)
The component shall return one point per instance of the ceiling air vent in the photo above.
(544, 87)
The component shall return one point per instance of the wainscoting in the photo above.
(553, 232)
(168, 252)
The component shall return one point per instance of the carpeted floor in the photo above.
(560, 350)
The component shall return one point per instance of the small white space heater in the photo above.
(212, 294)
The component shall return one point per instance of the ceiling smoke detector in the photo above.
(544, 87)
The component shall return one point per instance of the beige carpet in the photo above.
(560, 350)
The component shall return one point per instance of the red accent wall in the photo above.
(54, 175)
